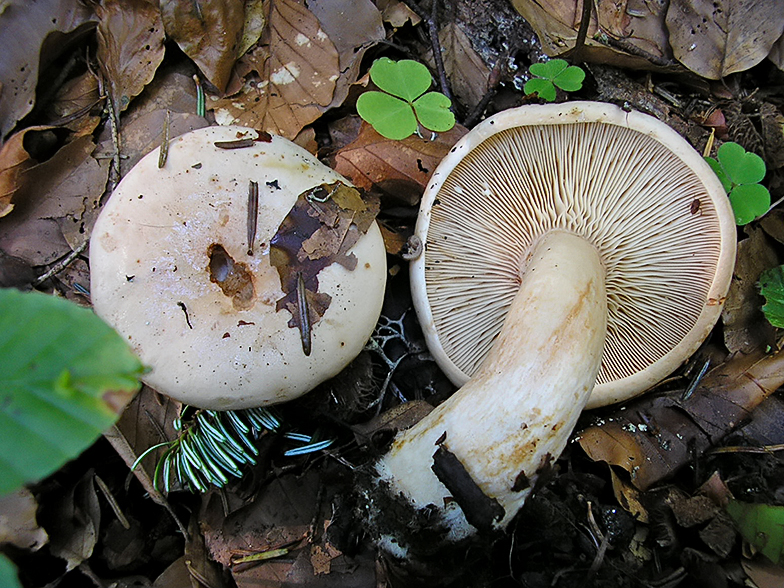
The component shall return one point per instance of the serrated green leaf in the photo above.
(771, 285)
(749, 201)
(64, 378)
(544, 88)
(406, 79)
(391, 117)
(762, 525)
(8, 575)
(549, 70)
(718, 169)
(433, 112)
(741, 166)
(570, 79)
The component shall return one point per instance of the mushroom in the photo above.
(565, 263)
(189, 263)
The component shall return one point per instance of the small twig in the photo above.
(112, 502)
(740, 449)
(582, 32)
(163, 154)
(61, 265)
(253, 213)
(432, 30)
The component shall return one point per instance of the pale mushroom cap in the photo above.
(150, 278)
(627, 183)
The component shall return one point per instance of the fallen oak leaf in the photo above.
(15, 160)
(321, 228)
(655, 436)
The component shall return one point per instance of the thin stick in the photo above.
(253, 213)
(61, 265)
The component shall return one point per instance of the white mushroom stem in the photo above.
(514, 417)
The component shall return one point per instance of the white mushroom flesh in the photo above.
(514, 416)
(152, 249)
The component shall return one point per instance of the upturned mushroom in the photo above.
(243, 272)
(574, 254)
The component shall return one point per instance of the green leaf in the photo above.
(749, 201)
(741, 166)
(549, 70)
(406, 79)
(433, 112)
(8, 577)
(391, 117)
(761, 525)
(64, 378)
(570, 79)
(771, 285)
(718, 169)
(544, 88)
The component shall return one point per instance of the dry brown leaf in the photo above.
(54, 192)
(628, 497)
(399, 169)
(24, 26)
(397, 13)
(466, 71)
(147, 421)
(18, 524)
(772, 123)
(715, 38)
(293, 512)
(745, 327)
(321, 228)
(653, 437)
(352, 36)
(209, 32)
(636, 24)
(73, 520)
(763, 573)
(14, 161)
(130, 47)
(298, 66)
(77, 105)
(255, 19)
(776, 54)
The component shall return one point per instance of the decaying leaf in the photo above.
(209, 32)
(715, 38)
(298, 66)
(14, 161)
(255, 19)
(398, 169)
(18, 524)
(468, 75)
(130, 47)
(772, 123)
(653, 437)
(77, 105)
(745, 327)
(73, 520)
(620, 34)
(397, 13)
(54, 192)
(321, 228)
(34, 33)
(147, 421)
(351, 36)
(286, 536)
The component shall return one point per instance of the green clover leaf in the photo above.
(771, 285)
(552, 74)
(740, 173)
(403, 105)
